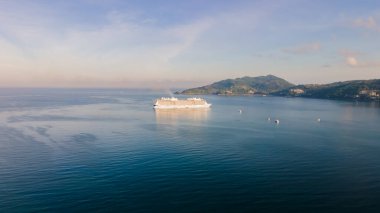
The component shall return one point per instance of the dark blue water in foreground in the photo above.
(108, 150)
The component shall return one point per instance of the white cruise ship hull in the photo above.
(181, 106)
(174, 103)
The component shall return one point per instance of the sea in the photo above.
(108, 150)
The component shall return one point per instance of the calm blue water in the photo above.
(103, 150)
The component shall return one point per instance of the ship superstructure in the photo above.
(175, 103)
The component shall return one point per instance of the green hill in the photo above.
(358, 89)
(242, 86)
(348, 90)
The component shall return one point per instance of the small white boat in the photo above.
(277, 121)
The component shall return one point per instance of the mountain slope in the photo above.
(358, 89)
(242, 86)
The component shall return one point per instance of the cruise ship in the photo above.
(175, 103)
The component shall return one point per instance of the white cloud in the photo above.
(304, 48)
(121, 50)
(122, 46)
(351, 58)
(366, 23)
(352, 61)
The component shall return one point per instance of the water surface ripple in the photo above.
(108, 150)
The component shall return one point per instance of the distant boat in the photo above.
(175, 103)
(277, 121)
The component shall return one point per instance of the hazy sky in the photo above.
(173, 43)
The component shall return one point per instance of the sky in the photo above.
(172, 43)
